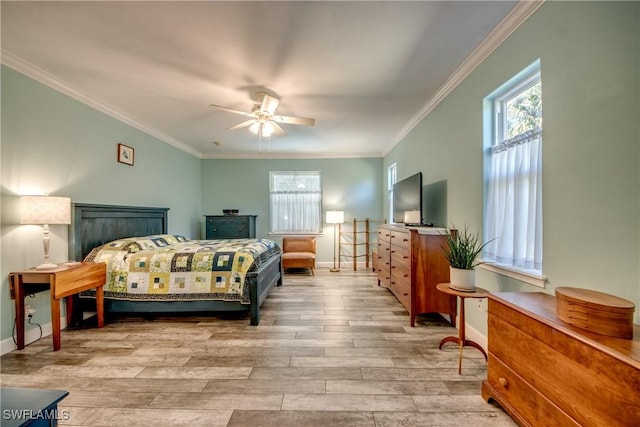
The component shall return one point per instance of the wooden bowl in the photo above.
(595, 311)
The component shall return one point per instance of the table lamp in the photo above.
(335, 217)
(45, 210)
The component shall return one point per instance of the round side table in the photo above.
(461, 339)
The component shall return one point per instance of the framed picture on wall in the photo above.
(125, 154)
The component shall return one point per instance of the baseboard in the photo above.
(474, 335)
(30, 336)
(344, 266)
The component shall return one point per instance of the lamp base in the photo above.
(334, 270)
(46, 266)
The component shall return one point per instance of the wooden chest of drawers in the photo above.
(546, 372)
(230, 226)
(411, 264)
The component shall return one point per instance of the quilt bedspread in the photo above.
(170, 267)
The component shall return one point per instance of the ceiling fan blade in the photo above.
(243, 124)
(277, 130)
(294, 120)
(269, 103)
(231, 110)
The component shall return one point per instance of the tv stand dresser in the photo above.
(544, 371)
(411, 263)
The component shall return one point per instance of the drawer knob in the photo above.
(405, 294)
(503, 382)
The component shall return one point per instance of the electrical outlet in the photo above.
(28, 311)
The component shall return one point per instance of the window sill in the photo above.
(528, 276)
(292, 233)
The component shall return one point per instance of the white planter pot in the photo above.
(462, 280)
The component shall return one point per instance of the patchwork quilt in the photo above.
(170, 267)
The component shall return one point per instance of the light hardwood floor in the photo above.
(331, 350)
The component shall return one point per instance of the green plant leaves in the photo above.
(463, 248)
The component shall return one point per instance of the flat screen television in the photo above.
(407, 200)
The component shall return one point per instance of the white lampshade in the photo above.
(255, 128)
(267, 128)
(335, 217)
(45, 210)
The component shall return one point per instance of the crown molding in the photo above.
(273, 156)
(22, 66)
(518, 15)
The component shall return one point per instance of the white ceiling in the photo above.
(366, 71)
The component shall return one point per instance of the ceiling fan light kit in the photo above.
(264, 121)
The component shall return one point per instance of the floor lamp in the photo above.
(335, 217)
(45, 210)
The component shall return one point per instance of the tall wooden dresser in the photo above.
(230, 226)
(411, 263)
(546, 372)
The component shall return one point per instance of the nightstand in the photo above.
(62, 282)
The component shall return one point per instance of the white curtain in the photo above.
(514, 202)
(299, 212)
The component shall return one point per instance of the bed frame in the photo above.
(93, 225)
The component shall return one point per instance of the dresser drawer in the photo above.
(401, 274)
(400, 238)
(400, 256)
(384, 235)
(384, 250)
(512, 391)
(384, 275)
(402, 291)
(588, 384)
(230, 226)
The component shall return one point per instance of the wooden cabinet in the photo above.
(411, 263)
(230, 226)
(543, 371)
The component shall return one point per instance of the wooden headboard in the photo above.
(94, 225)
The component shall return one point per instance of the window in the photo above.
(392, 178)
(513, 171)
(296, 202)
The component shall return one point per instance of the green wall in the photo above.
(54, 144)
(351, 185)
(590, 57)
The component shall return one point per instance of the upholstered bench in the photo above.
(299, 252)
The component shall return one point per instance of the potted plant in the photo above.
(462, 252)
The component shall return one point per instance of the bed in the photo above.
(121, 228)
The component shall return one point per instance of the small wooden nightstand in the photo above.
(63, 281)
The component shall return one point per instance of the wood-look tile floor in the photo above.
(331, 350)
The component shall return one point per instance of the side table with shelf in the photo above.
(64, 281)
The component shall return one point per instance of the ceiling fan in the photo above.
(264, 119)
